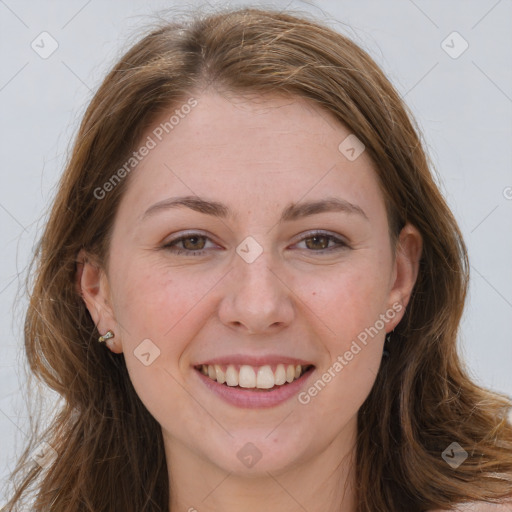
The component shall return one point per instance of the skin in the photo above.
(256, 155)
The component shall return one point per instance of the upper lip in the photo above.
(263, 360)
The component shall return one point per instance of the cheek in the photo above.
(160, 310)
(153, 299)
(157, 310)
(352, 297)
(351, 302)
(350, 305)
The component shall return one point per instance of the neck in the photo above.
(323, 482)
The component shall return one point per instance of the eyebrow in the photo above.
(293, 211)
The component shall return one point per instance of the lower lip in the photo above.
(249, 399)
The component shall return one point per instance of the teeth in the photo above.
(231, 376)
(280, 376)
(248, 377)
(221, 376)
(265, 378)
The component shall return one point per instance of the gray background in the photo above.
(463, 106)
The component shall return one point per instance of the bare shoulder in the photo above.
(480, 506)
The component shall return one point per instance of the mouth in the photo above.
(254, 378)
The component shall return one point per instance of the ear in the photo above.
(406, 267)
(92, 284)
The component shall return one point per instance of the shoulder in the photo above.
(480, 506)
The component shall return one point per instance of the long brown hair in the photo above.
(109, 448)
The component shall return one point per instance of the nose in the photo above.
(257, 299)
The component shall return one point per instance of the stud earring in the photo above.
(109, 334)
(385, 352)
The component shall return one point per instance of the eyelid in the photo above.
(189, 234)
(320, 232)
(340, 241)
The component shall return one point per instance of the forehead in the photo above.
(249, 151)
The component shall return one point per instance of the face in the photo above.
(287, 281)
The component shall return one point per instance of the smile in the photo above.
(265, 383)
(253, 377)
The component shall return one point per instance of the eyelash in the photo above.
(170, 245)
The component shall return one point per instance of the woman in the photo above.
(249, 227)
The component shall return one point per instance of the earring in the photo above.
(385, 352)
(109, 334)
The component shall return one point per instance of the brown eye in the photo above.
(323, 242)
(195, 242)
(318, 242)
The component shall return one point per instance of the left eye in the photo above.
(194, 244)
(191, 243)
(323, 240)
